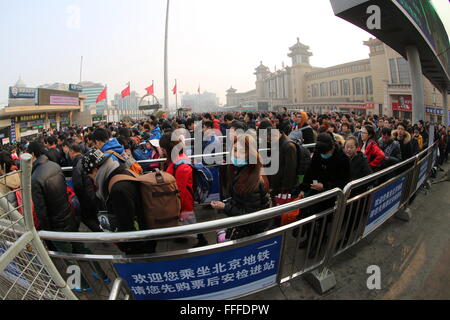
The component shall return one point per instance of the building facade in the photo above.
(204, 102)
(91, 91)
(379, 85)
(128, 103)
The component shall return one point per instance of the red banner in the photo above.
(403, 103)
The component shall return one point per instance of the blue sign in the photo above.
(12, 133)
(434, 110)
(422, 173)
(220, 275)
(22, 93)
(385, 203)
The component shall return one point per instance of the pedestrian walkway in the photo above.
(413, 257)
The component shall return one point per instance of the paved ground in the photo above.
(414, 258)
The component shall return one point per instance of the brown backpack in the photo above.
(160, 196)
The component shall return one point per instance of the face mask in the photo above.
(326, 156)
(238, 162)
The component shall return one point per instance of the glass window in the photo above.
(315, 90)
(345, 87)
(393, 67)
(334, 88)
(403, 71)
(357, 86)
(369, 85)
(323, 89)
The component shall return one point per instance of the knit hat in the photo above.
(92, 160)
(324, 143)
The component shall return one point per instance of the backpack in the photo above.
(74, 204)
(160, 197)
(129, 162)
(202, 178)
(303, 157)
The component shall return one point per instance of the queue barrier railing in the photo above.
(26, 270)
(306, 247)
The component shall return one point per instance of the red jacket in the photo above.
(375, 156)
(216, 123)
(184, 179)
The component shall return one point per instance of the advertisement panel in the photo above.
(47, 96)
(219, 275)
(22, 93)
(403, 103)
(385, 203)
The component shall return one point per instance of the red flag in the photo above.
(126, 92)
(150, 90)
(174, 90)
(101, 96)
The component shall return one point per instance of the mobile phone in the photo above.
(315, 182)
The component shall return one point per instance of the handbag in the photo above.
(291, 216)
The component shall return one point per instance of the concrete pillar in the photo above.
(418, 112)
(445, 108)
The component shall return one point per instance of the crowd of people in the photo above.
(106, 175)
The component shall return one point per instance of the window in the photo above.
(393, 67)
(315, 90)
(323, 89)
(403, 71)
(334, 88)
(369, 86)
(357, 86)
(345, 87)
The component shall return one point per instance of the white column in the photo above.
(418, 112)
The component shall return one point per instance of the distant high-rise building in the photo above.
(127, 103)
(92, 90)
(55, 86)
(207, 101)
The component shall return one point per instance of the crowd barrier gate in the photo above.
(305, 247)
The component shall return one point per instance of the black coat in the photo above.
(286, 178)
(241, 204)
(359, 167)
(308, 134)
(48, 187)
(332, 173)
(54, 155)
(85, 190)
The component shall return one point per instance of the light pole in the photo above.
(166, 81)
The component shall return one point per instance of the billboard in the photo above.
(429, 23)
(75, 87)
(58, 97)
(404, 103)
(22, 93)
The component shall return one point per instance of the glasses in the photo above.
(363, 132)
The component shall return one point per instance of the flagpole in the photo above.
(176, 95)
(166, 83)
(107, 107)
(129, 96)
(153, 95)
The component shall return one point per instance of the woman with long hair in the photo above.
(249, 188)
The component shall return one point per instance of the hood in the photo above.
(114, 145)
(406, 139)
(12, 181)
(41, 160)
(102, 175)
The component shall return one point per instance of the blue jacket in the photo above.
(155, 134)
(113, 145)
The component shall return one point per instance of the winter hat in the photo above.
(92, 160)
(324, 143)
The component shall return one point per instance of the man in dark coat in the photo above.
(84, 189)
(49, 194)
(123, 202)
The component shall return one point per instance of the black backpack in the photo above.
(303, 157)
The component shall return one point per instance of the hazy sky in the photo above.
(212, 43)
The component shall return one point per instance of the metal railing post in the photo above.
(26, 166)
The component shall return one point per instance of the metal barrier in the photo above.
(26, 271)
(305, 247)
